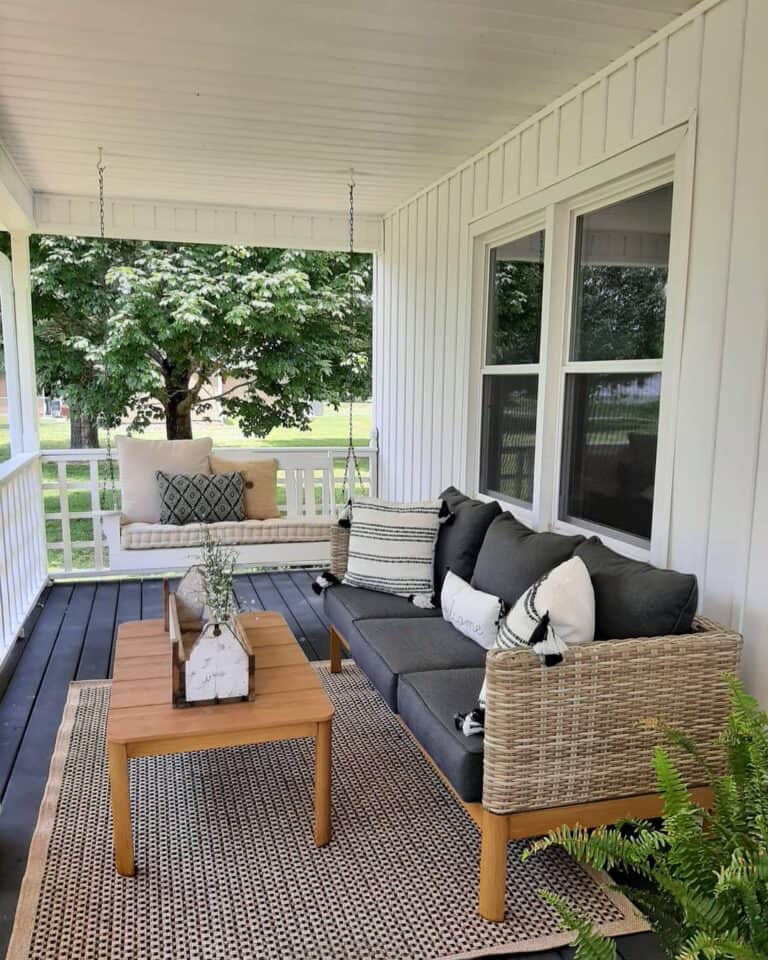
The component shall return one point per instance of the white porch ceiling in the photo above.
(267, 103)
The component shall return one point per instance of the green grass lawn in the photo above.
(328, 430)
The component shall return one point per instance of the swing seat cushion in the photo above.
(159, 536)
(139, 461)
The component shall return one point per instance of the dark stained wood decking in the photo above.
(70, 636)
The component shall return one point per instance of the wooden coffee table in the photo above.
(290, 702)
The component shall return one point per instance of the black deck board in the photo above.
(312, 627)
(246, 596)
(71, 636)
(304, 581)
(94, 658)
(19, 698)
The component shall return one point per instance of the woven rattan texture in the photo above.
(339, 550)
(575, 732)
(228, 869)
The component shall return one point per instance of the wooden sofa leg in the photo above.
(335, 641)
(493, 866)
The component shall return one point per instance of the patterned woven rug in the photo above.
(228, 868)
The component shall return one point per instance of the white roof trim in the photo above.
(204, 223)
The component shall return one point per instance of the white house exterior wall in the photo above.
(710, 61)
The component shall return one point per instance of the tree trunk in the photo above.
(83, 431)
(178, 409)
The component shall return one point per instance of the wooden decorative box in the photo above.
(210, 662)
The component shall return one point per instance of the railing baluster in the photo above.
(22, 564)
(66, 533)
(98, 541)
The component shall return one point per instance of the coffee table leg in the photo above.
(121, 809)
(323, 783)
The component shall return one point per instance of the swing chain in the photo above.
(100, 168)
(349, 483)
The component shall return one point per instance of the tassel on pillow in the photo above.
(422, 600)
(470, 724)
(323, 581)
(345, 517)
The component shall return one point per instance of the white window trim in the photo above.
(666, 158)
(523, 227)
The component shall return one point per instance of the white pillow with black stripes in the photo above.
(472, 612)
(392, 547)
(556, 612)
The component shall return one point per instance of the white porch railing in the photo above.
(76, 491)
(23, 561)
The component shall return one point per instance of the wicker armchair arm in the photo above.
(573, 733)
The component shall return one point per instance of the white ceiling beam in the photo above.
(16, 201)
(204, 223)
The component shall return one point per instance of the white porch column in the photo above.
(26, 401)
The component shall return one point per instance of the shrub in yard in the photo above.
(703, 875)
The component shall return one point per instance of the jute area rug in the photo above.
(228, 868)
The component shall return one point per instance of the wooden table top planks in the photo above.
(289, 694)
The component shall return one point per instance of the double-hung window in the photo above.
(572, 361)
(511, 369)
(613, 368)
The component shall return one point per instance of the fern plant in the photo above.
(703, 876)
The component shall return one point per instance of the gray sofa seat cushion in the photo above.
(344, 605)
(459, 541)
(427, 702)
(386, 649)
(635, 599)
(513, 557)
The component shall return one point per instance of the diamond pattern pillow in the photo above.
(200, 498)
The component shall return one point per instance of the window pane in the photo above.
(514, 304)
(509, 436)
(622, 253)
(609, 450)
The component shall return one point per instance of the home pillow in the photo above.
(260, 478)
(556, 612)
(139, 460)
(459, 541)
(472, 612)
(513, 557)
(635, 599)
(200, 498)
(392, 547)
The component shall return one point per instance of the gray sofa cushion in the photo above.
(513, 557)
(635, 599)
(344, 605)
(427, 702)
(459, 541)
(386, 649)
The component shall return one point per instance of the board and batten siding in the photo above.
(711, 61)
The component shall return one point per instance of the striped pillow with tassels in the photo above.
(392, 547)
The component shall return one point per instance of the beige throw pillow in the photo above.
(260, 482)
(139, 460)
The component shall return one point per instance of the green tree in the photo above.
(149, 327)
(621, 312)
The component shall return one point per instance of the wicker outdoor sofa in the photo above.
(569, 744)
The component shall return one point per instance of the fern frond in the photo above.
(588, 943)
(605, 847)
(701, 946)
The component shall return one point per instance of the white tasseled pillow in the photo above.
(556, 612)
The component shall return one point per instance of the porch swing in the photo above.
(301, 534)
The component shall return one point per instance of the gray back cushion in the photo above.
(459, 541)
(513, 557)
(634, 599)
